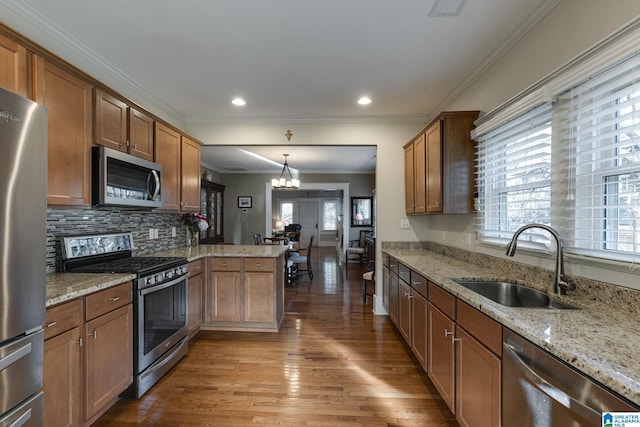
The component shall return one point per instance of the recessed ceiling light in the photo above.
(364, 100)
(447, 8)
(238, 102)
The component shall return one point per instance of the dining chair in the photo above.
(257, 239)
(295, 259)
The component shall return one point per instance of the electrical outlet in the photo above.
(151, 234)
(404, 223)
(156, 235)
(173, 232)
(444, 235)
(469, 239)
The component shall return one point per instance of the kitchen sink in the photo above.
(513, 295)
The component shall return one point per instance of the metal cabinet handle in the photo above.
(79, 342)
(52, 324)
(93, 334)
(114, 299)
(447, 333)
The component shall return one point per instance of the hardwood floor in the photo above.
(333, 363)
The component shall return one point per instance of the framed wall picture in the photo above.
(362, 211)
(244, 201)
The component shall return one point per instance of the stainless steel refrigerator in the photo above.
(23, 203)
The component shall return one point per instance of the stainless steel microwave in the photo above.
(120, 179)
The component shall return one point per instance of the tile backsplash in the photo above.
(63, 222)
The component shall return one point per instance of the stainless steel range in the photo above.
(160, 299)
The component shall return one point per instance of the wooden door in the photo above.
(167, 153)
(409, 176)
(434, 168)
(225, 297)
(111, 121)
(440, 354)
(195, 315)
(419, 174)
(62, 380)
(404, 311)
(108, 358)
(13, 66)
(259, 297)
(393, 298)
(69, 103)
(140, 134)
(190, 176)
(478, 383)
(419, 328)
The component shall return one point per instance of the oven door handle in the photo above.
(166, 285)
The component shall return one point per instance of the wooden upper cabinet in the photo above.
(140, 134)
(167, 153)
(442, 171)
(190, 177)
(69, 103)
(121, 127)
(409, 178)
(111, 121)
(13, 66)
(434, 169)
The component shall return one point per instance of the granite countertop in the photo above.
(61, 287)
(598, 339)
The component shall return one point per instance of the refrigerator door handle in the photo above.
(14, 356)
(22, 420)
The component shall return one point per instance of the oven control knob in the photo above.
(168, 274)
(180, 271)
(158, 278)
(150, 281)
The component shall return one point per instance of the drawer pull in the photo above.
(79, 342)
(447, 333)
(93, 334)
(258, 264)
(224, 264)
(52, 324)
(114, 299)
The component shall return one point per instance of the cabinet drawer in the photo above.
(63, 317)
(107, 300)
(259, 264)
(419, 283)
(443, 300)
(405, 273)
(224, 264)
(196, 267)
(482, 327)
(394, 265)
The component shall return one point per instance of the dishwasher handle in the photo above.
(559, 396)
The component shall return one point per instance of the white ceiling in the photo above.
(291, 60)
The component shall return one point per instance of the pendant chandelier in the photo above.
(286, 180)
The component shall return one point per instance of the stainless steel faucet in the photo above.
(560, 282)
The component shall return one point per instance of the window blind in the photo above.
(600, 152)
(514, 176)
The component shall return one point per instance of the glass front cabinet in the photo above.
(211, 205)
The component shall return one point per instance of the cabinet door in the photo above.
(195, 316)
(440, 356)
(69, 101)
(404, 311)
(420, 174)
(478, 382)
(409, 175)
(140, 134)
(13, 66)
(167, 153)
(393, 298)
(225, 297)
(386, 279)
(419, 328)
(434, 168)
(111, 121)
(190, 181)
(62, 385)
(259, 297)
(108, 358)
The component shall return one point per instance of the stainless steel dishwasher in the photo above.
(539, 390)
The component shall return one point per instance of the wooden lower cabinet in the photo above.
(419, 328)
(108, 359)
(195, 297)
(404, 310)
(394, 298)
(244, 294)
(88, 356)
(478, 382)
(440, 356)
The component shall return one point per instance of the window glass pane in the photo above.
(330, 216)
(286, 212)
